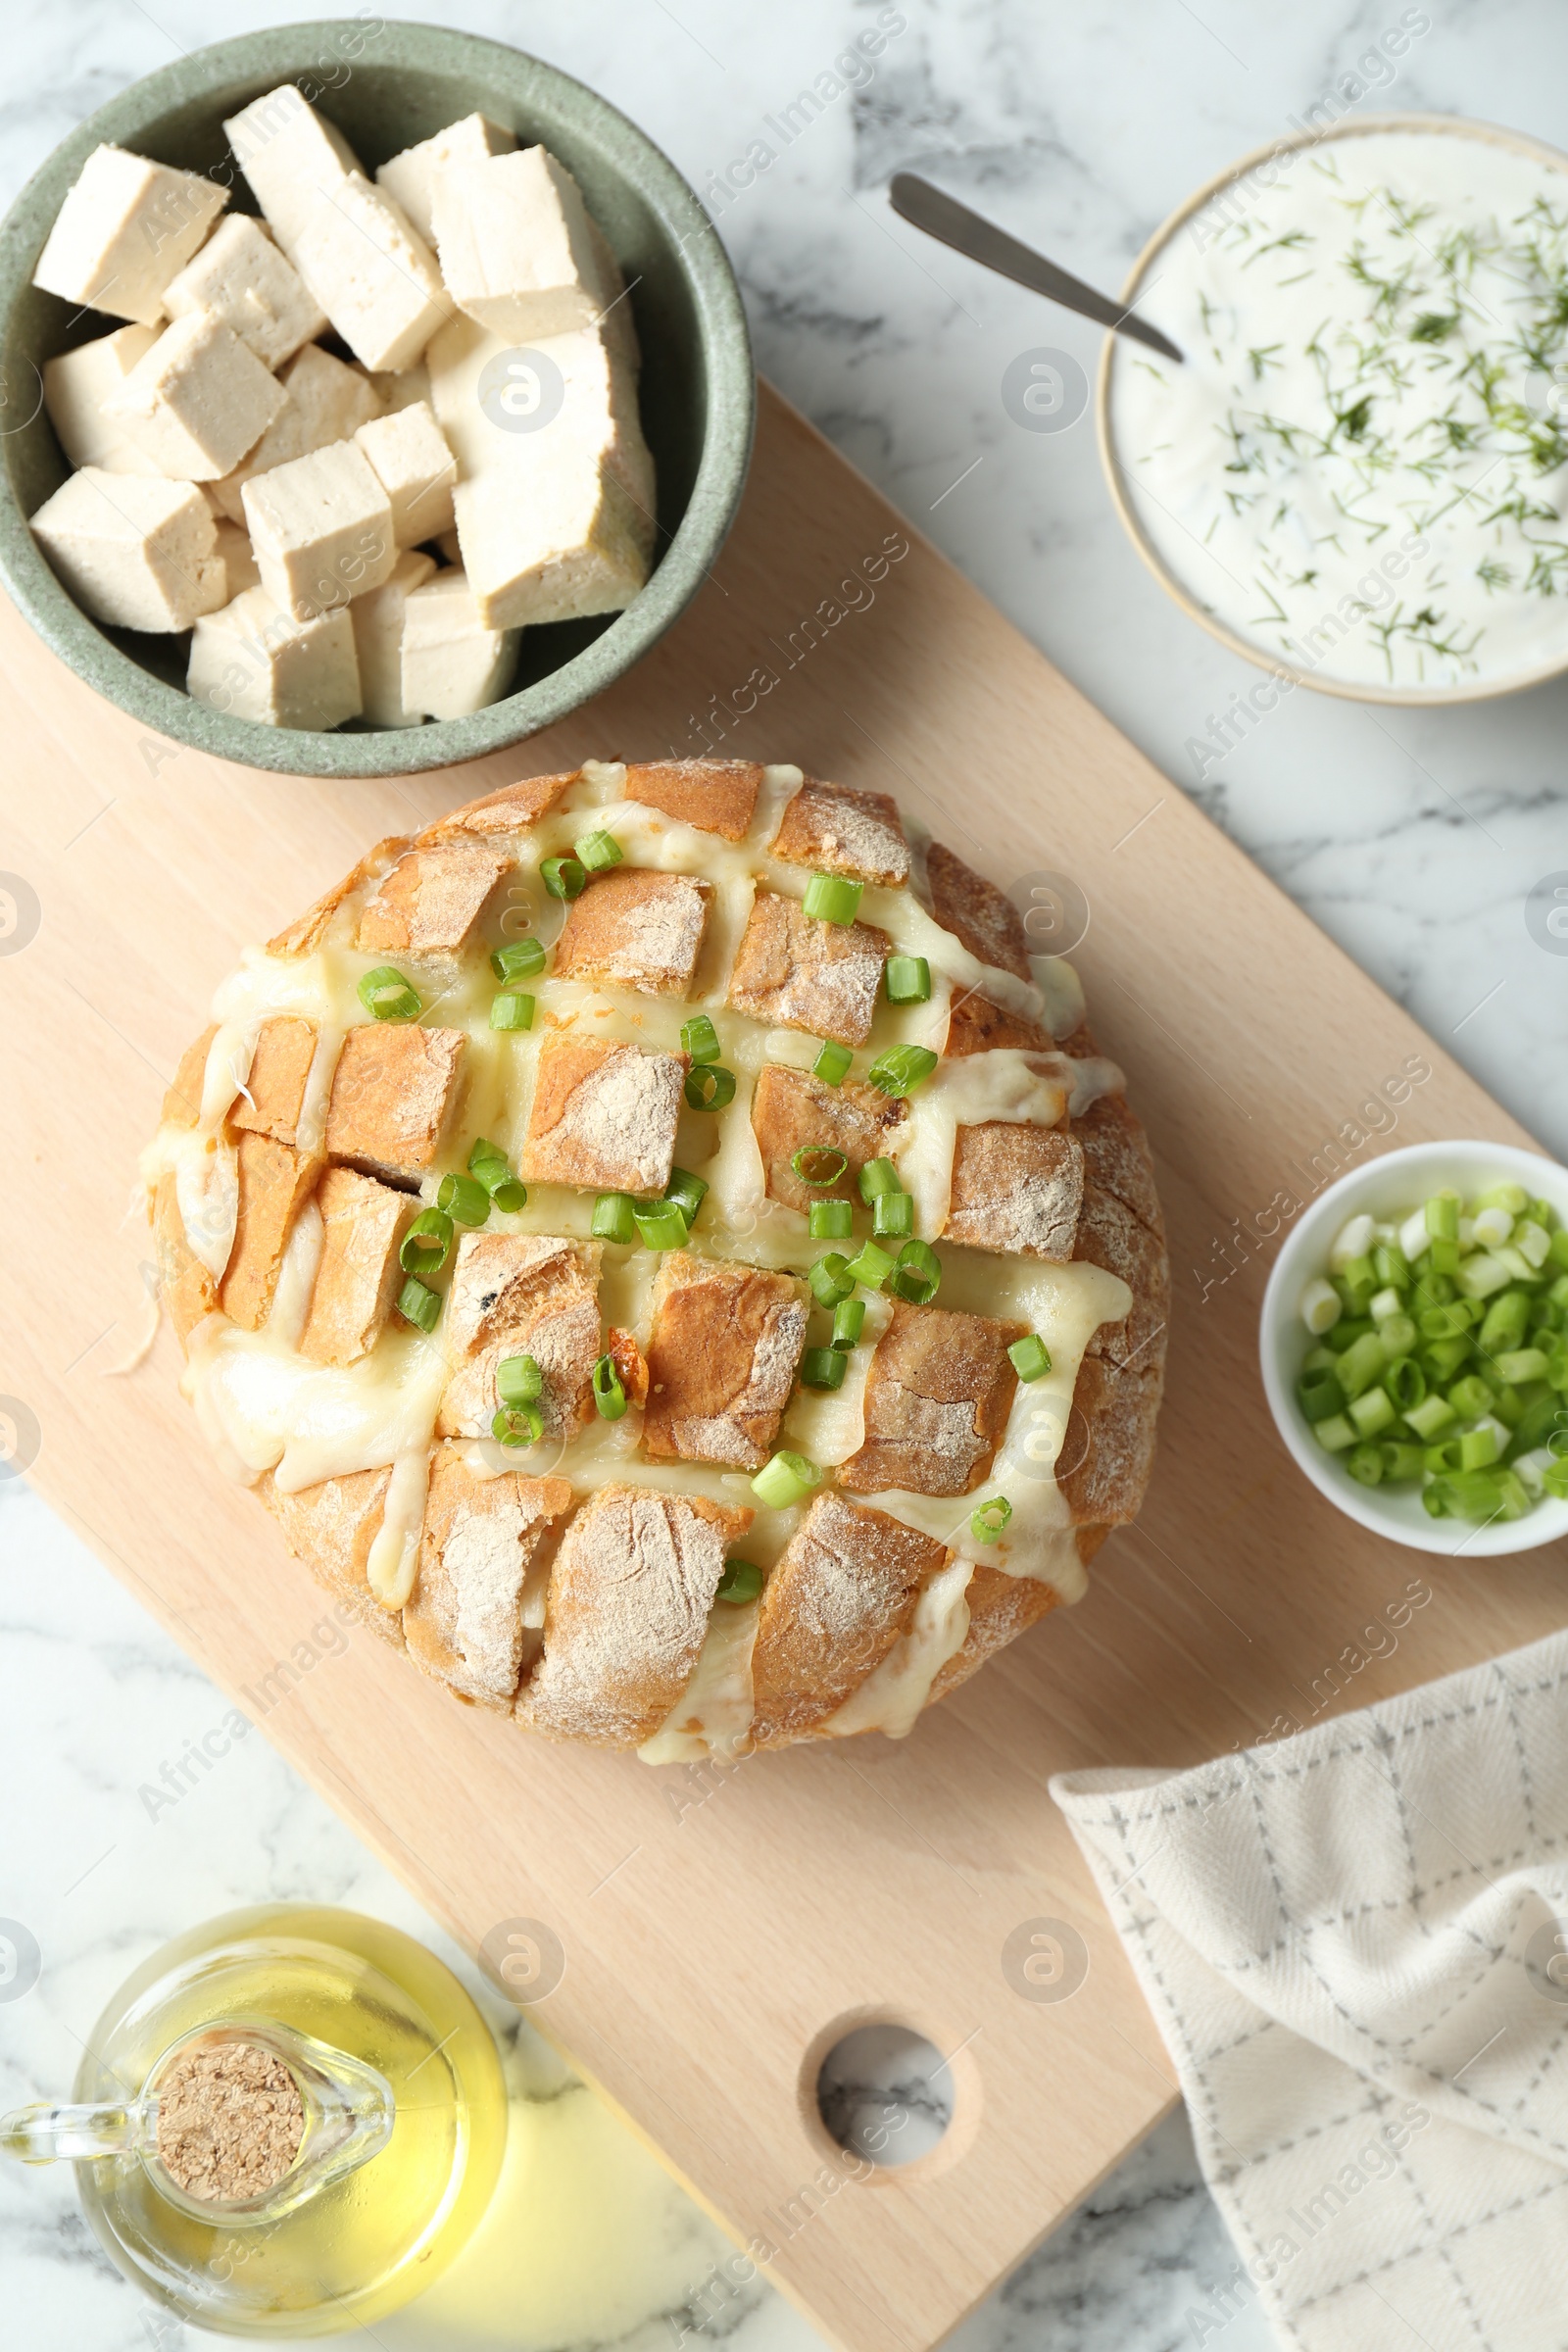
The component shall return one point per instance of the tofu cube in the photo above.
(793, 1111)
(322, 528)
(372, 273)
(76, 387)
(410, 177)
(127, 226)
(717, 796)
(326, 401)
(400, 387)
(239, 560)
(937, 1399)
(290, 155)
(521, 1293)
(635, 929)
(453, 662)
(721, 1361)
(273, 1093)
(136, 552)
(393, 1097)
(416, 468)
(794, 972)
(378, 617)
(835, 831)
(198, 400)
(430, 902)
(358, 1275)
(500, 419)
(254, 660)
(556, 519)
(602, 1116)
(464, 1622)
(515, 251)
(241, 278)
(275, 1182)
(563, 546)
(1016, 1188)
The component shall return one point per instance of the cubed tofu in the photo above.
(937, 1399)
(378, 618)
(135, 552)
(326, 401)
(241, 278)
(717, 796)
(794, 972)
(464, 1622)
(372, 273)
(410, 177)
(980, 916)
(555, 500)
(842, 1592)
(291, 156)
(565, 544)
(630, 1595)
(275, 1183)
(568, 399)
(358, 1275)
(409, 454)
(615, 321)
(840, 832)
(273, 1093)
(791, 1112)
(430, 902)
(197, 400)
(1016, 1188)
(76, 386)
(322, 528)
(721, 1361)
(241, 570)
(127, 226)
(331, 1527)
(521, 1293)
(602, 1116)
(635, 929)
(254, 660)
(400, 387)
(515, 251)
(453, 660)
(394, 1096)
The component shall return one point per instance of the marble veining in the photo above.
(1413, 838)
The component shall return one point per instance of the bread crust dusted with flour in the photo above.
(670, 1502)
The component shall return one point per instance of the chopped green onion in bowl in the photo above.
(1440, 1363)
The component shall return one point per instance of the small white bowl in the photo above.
(1384, 1189)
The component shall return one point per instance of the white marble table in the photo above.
(1413, 838)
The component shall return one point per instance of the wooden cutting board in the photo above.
(720, 1930)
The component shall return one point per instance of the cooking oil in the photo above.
(402, 2084)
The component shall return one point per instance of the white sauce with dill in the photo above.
(1362, 466)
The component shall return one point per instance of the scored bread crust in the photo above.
(586, 1615)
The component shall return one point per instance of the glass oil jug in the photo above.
(385, 2083)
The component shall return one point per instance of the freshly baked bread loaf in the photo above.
(668, 1259)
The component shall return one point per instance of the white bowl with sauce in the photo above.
(1403, 422)
(1389, 1188)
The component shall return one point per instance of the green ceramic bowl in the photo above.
(386, 86)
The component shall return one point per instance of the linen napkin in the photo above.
(1355, 1945)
